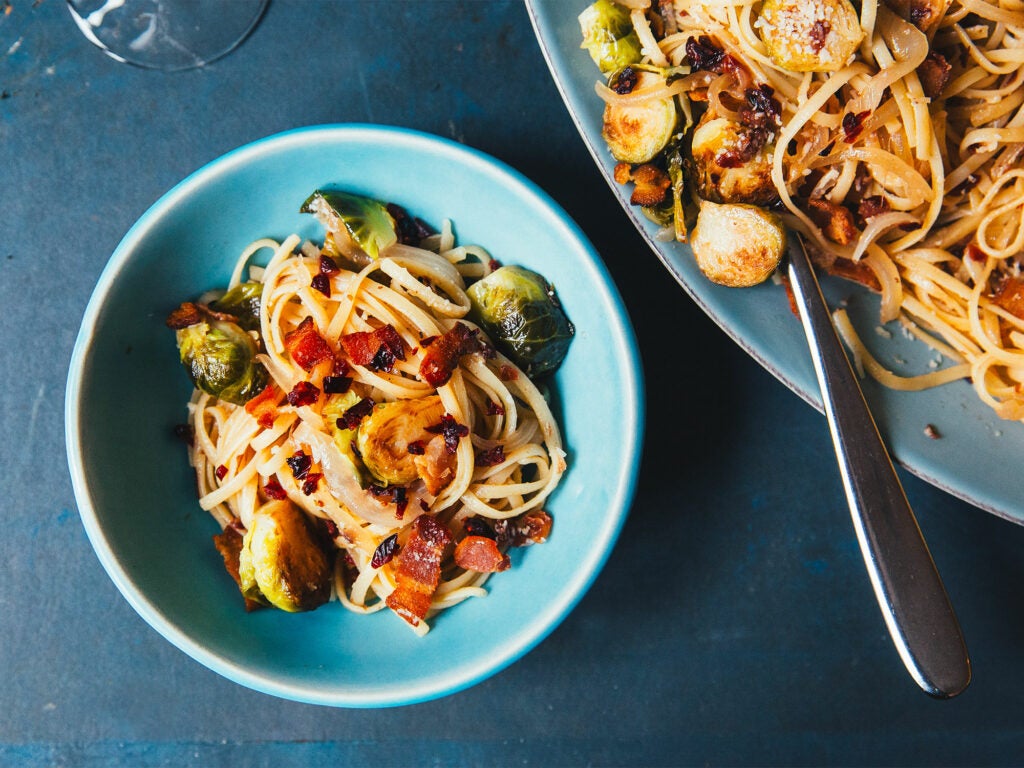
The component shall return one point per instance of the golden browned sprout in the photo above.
(637, 132)
(384, 437)
(809, 35)
(725, 169)
(737, 245)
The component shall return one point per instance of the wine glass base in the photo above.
(168, 35)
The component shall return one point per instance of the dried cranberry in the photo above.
(410, 230)
(311, 482)
(819, 32)
(322, 283)
(703, 53)
(328, 266)
(337, 385)
(185, 433)
(332, 529)
(625, 81)
(385, 551)
(508, 373)
(221, 472)
(350, 419)
(416, 448)
(490, 457)
(494, 265)
(300, 464)
(451, 430)
(303, 393)
(477, 526)
(853, 124)
(272, 488)
(495, 409)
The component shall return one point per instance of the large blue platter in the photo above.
(970, 460)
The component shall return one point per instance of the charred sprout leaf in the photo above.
(364, 220)
(282, 562)
(609, 36)
(519, 310)
(221, 360)
(243, 302)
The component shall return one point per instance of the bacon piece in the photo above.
(858, 272)
(263, 407)
(306, 346)
(229, 543)
(1010, 296)
(377, 349)
(435, 465)
(651, 184)
(531, 528)
(622, 173)
(871, 206)
(835, 220)
(481, 554)
(441, 358)
(934, 73)
(418, 569)
(184, 316)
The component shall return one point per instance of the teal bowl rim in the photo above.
(452, 680)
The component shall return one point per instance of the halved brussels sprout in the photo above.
(636, 133)
(519, 310)
(737, 245)
(221, 360)
(609, 36)
(724, 171)
(364, 220)
(384, 437)
(810, 35)
(243, 302)
(281, 560)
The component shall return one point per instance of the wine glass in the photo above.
(168, 35)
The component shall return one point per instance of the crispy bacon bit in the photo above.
(263, 407)
(835, 220)
(1010, 296)
(303, 393)
(311, 482)
(336, 385)
(229, 543)
(385, 551)
(221, 472)
(451, 430)
(532, 528)
(704, 54)
(377, 350)
(418, 569)
(441, 358)
(328, 266)
(495, 409)
(623, 172)
(322, 283)
(651, 184)
(424, 343)
(625, 81)
(184, 316)
(819, 33)
(410, 230)
(436, 467)
(853, 124)
(273, 490)
(350, 419)
(934, 73)
(306, 346)
(481, 554)
(872, 206)
(490, 457)
(416, 448)
(185, 433)
(508, 373)
(300, 464)
(931, 432)
(477, 526)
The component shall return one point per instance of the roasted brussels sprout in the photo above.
(242, 302)
(364, 220)
(737, 245)
(609, 36)
(519, 310)
(636, 133)
(384, 437)
(810, 35)
(727, 168)
(219, 356)
(333, 410)
(281, 560)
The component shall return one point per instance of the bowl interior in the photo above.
(126, 392)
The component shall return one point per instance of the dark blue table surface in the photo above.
(734, 623)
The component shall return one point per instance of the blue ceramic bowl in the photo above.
(126, 391)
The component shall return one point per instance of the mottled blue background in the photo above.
(734, 623)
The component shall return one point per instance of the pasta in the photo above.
(889, 134)
(416, 451)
